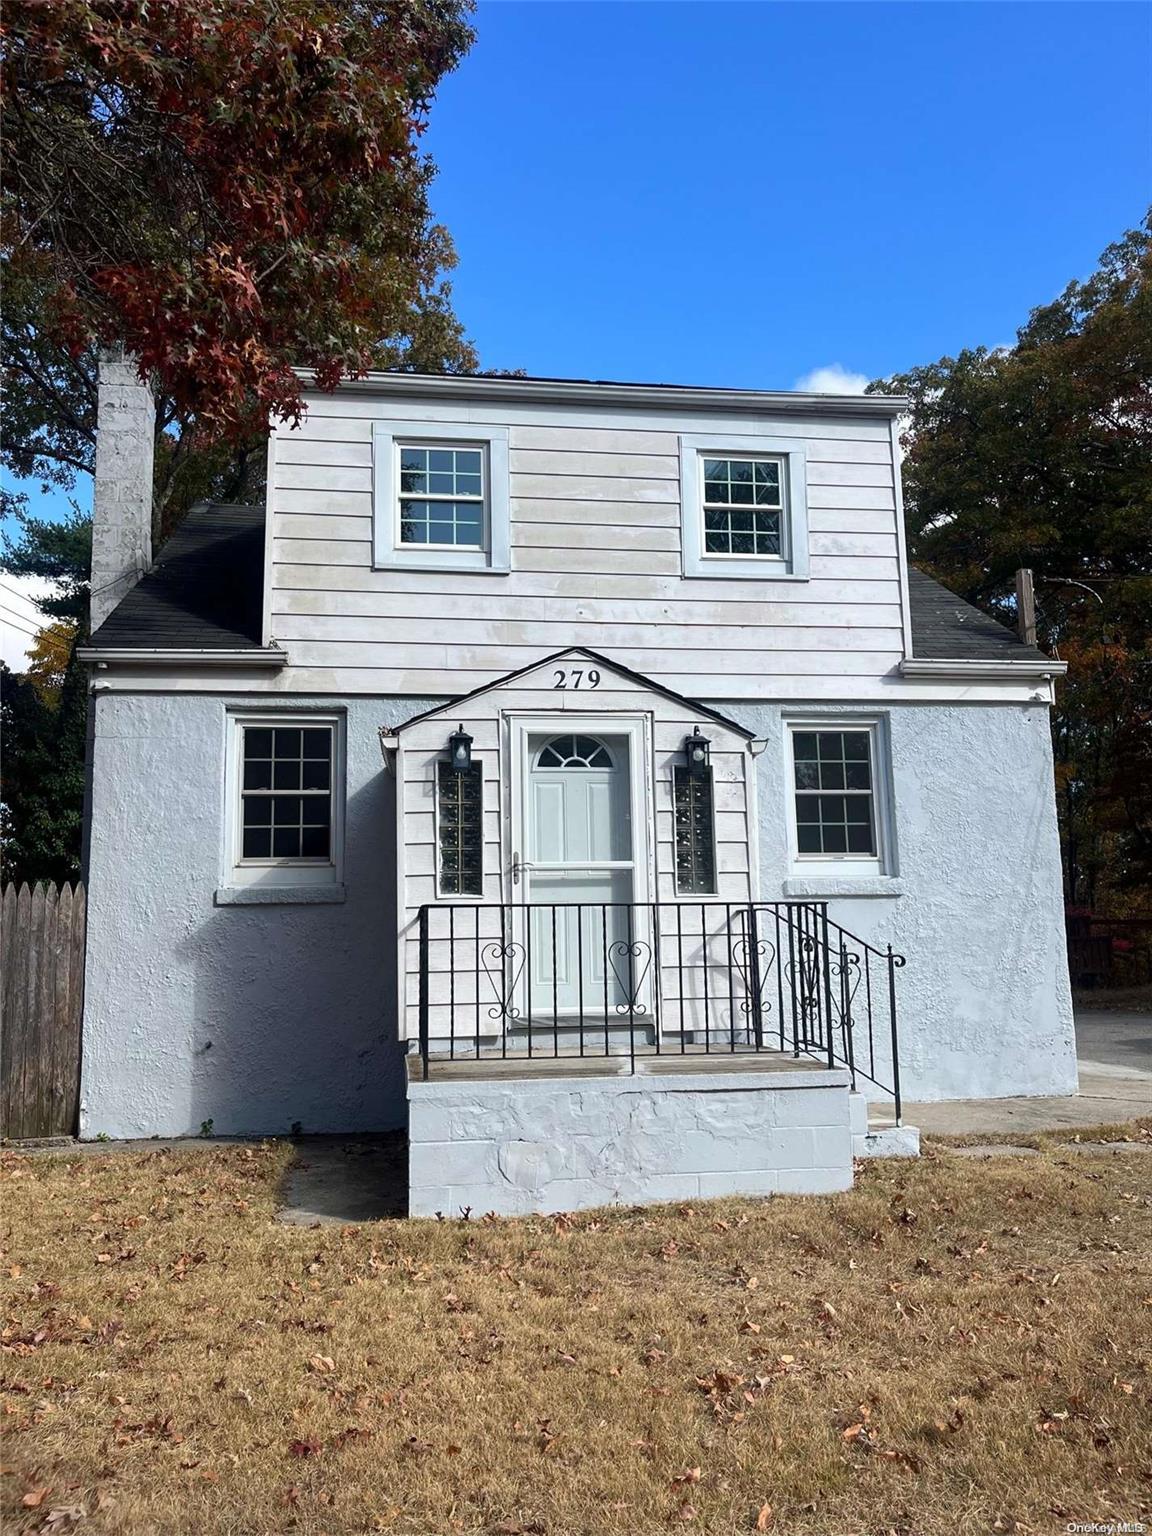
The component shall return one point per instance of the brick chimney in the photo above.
(122, 498)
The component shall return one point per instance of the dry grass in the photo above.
(1127, 1132)
(951, 1348)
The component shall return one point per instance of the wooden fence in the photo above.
(42, 973)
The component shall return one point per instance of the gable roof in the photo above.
(204, 592)
(647, 683)
(947, 628)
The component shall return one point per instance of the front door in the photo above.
(580, 876)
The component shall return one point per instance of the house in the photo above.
(576, 772)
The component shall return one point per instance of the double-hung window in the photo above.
(285, 801)
(744, 509)
(441, 502)
(839, 813)
(440, 496)
(743, 503)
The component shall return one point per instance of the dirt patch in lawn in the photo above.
(952, 1347)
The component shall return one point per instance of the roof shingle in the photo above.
(205, 591)
(946, 628)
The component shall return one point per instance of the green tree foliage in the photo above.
(42, 809)
(1041, 456)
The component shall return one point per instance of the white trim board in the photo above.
(794, 562)
(670, 397)
(494, 557)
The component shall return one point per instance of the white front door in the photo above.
(581, 874)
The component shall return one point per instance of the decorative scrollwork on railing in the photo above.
(844, 971)
(845, 977)
(804, 979)
(754, 960)
(630, 982)
(503, 965)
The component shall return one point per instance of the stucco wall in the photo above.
(253, 1017)
(514, 1147)
(975, 904)
(256, 1017)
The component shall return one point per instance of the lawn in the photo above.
(955, 1346)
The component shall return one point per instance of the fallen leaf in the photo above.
(322, 1364)
(34, 1499)
(304, 1448)
(764, 1518)
(65, 1517)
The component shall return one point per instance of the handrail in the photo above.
(687, 977)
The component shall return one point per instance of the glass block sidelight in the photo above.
(695, 831)
(460, 829)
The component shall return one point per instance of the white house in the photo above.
(576, 772)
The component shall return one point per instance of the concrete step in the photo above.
(875, 1132)
(565, 1036)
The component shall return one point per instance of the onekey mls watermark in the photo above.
(1106, 1528)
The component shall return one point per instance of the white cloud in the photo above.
(20, 619)
(833, 379)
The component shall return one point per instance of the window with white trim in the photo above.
(441, 502)
(440, 496)
(743, 501)
(839, 806)
(744, 508)
(285, 806)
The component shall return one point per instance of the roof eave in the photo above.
(449, 706)
(665, 397)
(180, 656)
(1017, 669)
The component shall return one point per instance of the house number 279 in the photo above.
(576, 677)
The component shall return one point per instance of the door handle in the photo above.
(519, 865)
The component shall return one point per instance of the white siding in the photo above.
(595, 560)
(453, 991)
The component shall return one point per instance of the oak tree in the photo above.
(230, 189)
(1040, 455)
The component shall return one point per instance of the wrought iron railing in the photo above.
(635, 980)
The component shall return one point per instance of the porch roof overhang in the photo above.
(450, 706)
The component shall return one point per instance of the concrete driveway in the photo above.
(1114, 1044)
(1114, 1051)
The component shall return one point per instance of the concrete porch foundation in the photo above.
(532, 1144)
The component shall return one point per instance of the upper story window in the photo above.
(285, 802)
(744, 508)
(440, 496)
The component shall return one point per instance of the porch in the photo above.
(579, 1054)
(516, 989)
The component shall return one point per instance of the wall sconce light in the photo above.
(696, 750)
(460, 750)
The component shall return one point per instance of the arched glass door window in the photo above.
(574, 752)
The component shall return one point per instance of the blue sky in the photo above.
(736, 194)
(739, 194)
